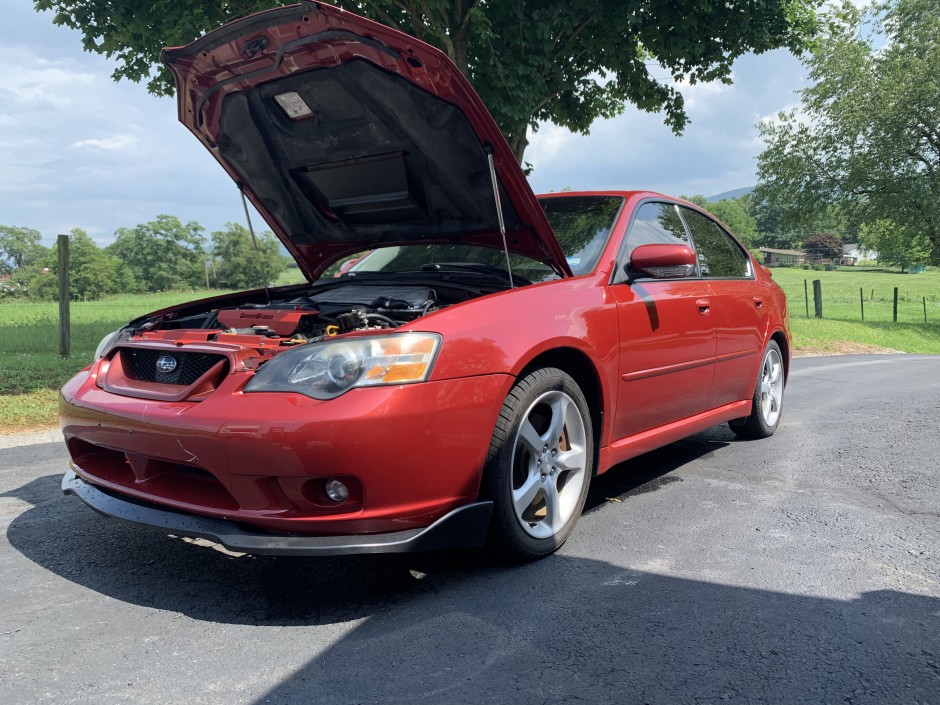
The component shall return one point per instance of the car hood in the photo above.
(348, 135)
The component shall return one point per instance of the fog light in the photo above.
(336, 490)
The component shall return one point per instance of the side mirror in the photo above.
(661, 262)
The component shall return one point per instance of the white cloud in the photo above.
(80, 150)
(636, 150)
(703, 97)
(118, 142)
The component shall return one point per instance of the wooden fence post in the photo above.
(925, 309)
(895, 304)
(861, 300)
(817, 297)
(64, 291)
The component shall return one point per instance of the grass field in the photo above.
(31, 370)
(841, 324)
(291, 275)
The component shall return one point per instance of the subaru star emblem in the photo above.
(166, 363)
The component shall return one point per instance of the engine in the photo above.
(331, 312)
(298, 320)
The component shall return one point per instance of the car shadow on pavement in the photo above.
(651, 471)
(42, 489)
(142, 567)
(459, 627)
(568, 630)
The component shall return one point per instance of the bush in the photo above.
(11, 290)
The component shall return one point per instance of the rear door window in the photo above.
(719, 256)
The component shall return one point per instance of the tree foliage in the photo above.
(823, 245)
(155, 256)
(775, 226)
(162, 254)
(93, 273)
(19, 247)
(563, 61)
(236, 263)
(894, 245)
(866, 139)
(732, 212)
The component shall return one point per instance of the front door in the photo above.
(667, 334)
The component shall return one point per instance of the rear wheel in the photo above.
(539, 464)
(768, 398)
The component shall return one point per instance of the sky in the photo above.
(81, 151)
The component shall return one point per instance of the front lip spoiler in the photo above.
(464, 527)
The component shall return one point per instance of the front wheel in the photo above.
(539, 464)
(768, 398)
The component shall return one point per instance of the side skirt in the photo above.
(645, 441)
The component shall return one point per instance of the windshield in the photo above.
(582, 225)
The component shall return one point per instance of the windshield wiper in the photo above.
(475, 267)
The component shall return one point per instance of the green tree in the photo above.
(93, 273)
(162, 254)
(867, 136)
(772, 230)
(563, 61)
(823, 245)
(894, 245)
(19, 247)
(776, 229)
(238, 265)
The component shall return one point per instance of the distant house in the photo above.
(782, 258)
(852, 253)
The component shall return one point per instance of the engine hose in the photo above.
(383, 319)
(212, 320)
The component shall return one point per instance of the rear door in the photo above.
(739, 310)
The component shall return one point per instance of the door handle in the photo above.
(758, 302)
(704, 306)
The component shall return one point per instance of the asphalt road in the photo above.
(800, 569)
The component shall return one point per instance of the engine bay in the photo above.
(332, 312)
(277, 320)
(184, 353)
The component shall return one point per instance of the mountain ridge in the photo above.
(734, 193)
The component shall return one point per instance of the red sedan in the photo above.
(465, 380)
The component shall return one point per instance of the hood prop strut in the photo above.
(254, 243)
(499, 210)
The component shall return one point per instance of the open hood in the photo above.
(348, 135)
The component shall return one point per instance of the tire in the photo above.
(539, 465)
(768, 398)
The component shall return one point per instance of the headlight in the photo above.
(326, 370)
(109, 341)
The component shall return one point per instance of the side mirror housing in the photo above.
(661, 262)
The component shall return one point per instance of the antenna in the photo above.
(254, 242)
(499, 210)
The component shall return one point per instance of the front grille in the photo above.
(150, 365)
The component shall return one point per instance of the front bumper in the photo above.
(410, 454)
(464, 527)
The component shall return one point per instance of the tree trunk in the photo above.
(518, 139)
(457, 49)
